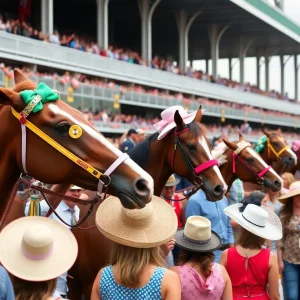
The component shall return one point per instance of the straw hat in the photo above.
(261, 221)
(293, 191)
(151, 226)
(197, 235)
(140, 132)
(172, 181)
(37, 248)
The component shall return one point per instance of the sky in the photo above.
(292, 9)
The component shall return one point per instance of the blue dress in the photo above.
(110, 290)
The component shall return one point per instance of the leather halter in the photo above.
(277, 154)
(198, 181)
(22, 117)
(235, 155)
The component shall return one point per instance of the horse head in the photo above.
(277, 149)
(81, 155)
(248, 166)
(194, 160)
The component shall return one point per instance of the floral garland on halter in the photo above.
(260, 144)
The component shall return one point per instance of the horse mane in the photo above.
(140, 153)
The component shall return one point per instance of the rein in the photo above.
(44, 191)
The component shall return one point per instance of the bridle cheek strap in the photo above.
(277, 154)
(259, 175)
(206, 165)
(117, 162)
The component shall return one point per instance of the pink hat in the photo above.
(167, 123)
(296, 145)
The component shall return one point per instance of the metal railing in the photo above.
(92, 97)
(27, 50)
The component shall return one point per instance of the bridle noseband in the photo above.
(271, 148)
(235, 155)
(198, 181)
(104, 178)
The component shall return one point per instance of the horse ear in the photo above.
(241, 138)
(198, 115)
(19, 76)
(279, 131)
(266, 132)
(230, 145)
(9, 97)
(178, 120)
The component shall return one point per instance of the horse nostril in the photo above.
(291, 159)
(218, 190)
(141, 187)
(277, 183)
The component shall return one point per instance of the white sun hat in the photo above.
(261, 221)
(37, 248)
(167, 123)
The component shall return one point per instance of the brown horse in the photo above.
(247, 165)
(129, 182)
(275, 151)
(157, 157)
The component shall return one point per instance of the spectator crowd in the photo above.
(13, 25)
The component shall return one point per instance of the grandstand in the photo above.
(153, 74)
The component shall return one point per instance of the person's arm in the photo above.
(273, 278)
(227, 292)
(279, 247)
(230, 236)
(223, 259)
(170, 287)
(95, 295)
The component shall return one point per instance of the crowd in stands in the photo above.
(77, 79)
(12, 25)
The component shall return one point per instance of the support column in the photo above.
(215, 36)
(296, 66)
(267, 72)
(230, 68)
(207, 66)
(244, 47)
(47, 16)
(258, 71)
(146, 11)
(102, 23)
(184, 26)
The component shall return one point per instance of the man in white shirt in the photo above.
(69, 212)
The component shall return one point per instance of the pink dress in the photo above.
(193, 287)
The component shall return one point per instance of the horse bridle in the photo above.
(235, 155)
(104, 178)
(276, 153)
(198, 181)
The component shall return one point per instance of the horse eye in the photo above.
(63, 129)
(192, 147)
(250, 160)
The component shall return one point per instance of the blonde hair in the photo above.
(30, 290)
(289, 177)
(131, 262)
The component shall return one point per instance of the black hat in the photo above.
(130, 131)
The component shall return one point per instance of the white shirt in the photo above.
(65, 212)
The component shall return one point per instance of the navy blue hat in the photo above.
(130, 131)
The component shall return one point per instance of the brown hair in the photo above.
(30, 290)
(247, 239)
(286, 212)
(204, 259)
(131, 262)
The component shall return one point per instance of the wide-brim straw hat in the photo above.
(37, 248)
(172, 181)
(292, 191)
(259, 220)
(151, 226)
(197, 236)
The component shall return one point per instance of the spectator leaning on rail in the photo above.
(130, 142)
